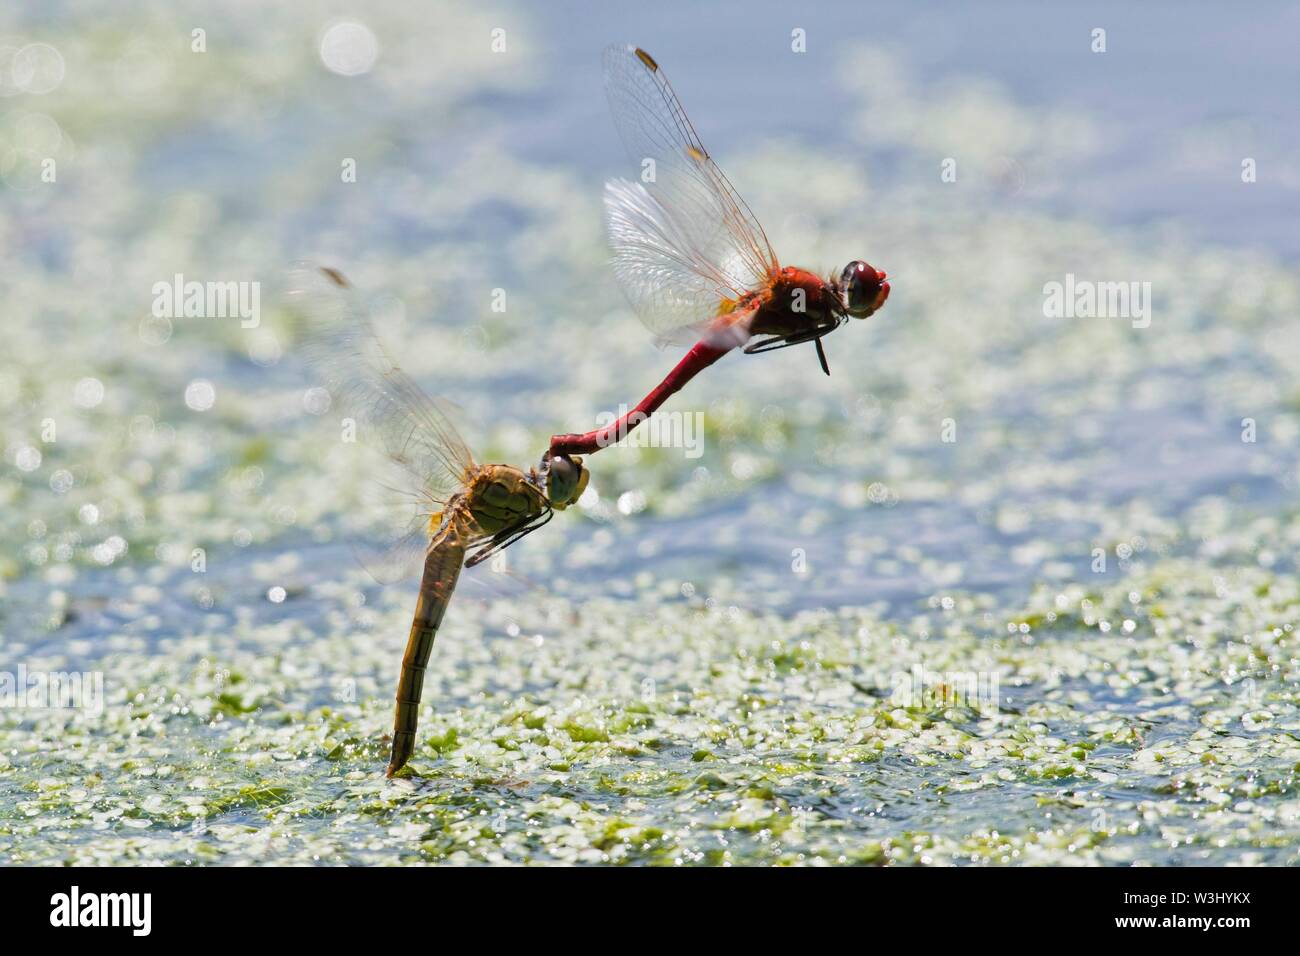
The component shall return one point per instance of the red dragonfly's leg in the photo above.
(701, 356)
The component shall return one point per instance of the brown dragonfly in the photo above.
(458, 513)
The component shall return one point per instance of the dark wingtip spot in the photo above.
(336, 277)
(647, 59)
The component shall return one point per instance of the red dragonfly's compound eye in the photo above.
(863, 289)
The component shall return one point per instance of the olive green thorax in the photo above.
(501, 497)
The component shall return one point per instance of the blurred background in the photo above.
(217, 142)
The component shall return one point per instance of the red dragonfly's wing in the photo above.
(419, 458)
(684, 241)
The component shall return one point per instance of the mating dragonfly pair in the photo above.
(696, 266)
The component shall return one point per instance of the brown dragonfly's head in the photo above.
(566, 479)
(862, 289)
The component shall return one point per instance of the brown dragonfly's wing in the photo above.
(683, 239)
(418, 457)
(442, 567)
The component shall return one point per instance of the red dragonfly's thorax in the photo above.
(795, 300)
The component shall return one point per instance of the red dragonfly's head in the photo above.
(862, 289)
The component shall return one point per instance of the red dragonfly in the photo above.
(691, 257)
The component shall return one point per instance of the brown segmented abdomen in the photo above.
(441, 570)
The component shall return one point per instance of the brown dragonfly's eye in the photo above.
(566, 480)
(862, 288)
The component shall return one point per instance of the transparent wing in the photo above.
(394, 557)
(684, 241)
(420, 460)
(675, 291)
